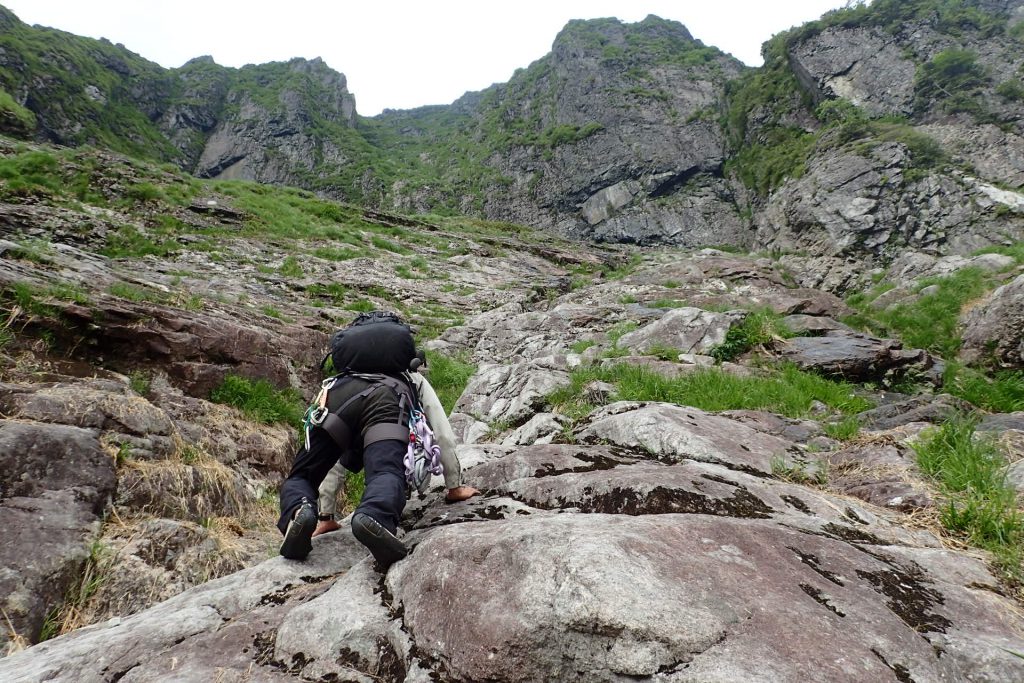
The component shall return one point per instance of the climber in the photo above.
(334, 482)
(361, 421)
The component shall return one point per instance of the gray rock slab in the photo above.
(55, 482)
(690, 597)
(224, 624)
(688, 330)
(510, 394)
(934, 409)
(673, 433)
(994, 329)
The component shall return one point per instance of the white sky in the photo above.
(398, 53)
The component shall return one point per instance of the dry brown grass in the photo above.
(15, 641)
(73, 613)
(194, 481)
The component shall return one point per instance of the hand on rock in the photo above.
(460, 493)
(325, 525)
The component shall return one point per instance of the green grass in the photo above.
(29, 173)
(1000, 392)
(133, 293)
(448, 375)
(140, 382)
(388, 245)
(980, 505)
(129, 242)
(14, 116)
(355, 484)
(790, 391)
(667, 303)
(290, 267)
(845, 429)
(930, 321)
(271, 311)
(581, 346)
(759, 328)
(336, 253)
(260, 401)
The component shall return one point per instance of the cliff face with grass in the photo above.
(740, 463)
(877, 128)
(884, 128)
(747, 450)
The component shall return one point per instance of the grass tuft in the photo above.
(449, 376)
(790, 391)
(758, 329)
(980, 505)
(260, 401)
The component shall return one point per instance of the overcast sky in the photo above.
(403, 53)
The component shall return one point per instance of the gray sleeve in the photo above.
(328, 493)
(443, 432)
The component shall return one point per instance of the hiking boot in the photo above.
(300, 529)
(383, 545)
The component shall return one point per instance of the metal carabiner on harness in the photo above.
(318, 411)
(318, 415)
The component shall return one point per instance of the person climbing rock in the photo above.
(334, 483)
(360, 420)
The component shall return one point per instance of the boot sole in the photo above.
(297, 538)
(382, 544)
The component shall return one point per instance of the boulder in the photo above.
(673, 433)
(689, 597)
(510, 394)
(993, 331)
(854, 356)
(686, 330)
(55, 483)
(883, 474)
(933, 409)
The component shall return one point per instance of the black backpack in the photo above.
(376, 342)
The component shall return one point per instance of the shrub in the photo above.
(764, 166)
(952, 76)
(1012, 90)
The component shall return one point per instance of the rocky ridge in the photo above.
(879, 128)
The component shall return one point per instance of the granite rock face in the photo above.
(994, 330)
(584, 563)
(55, 483)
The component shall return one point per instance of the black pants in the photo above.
(383, 462)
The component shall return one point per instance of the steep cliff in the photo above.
(877, 128)
(907, 131)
